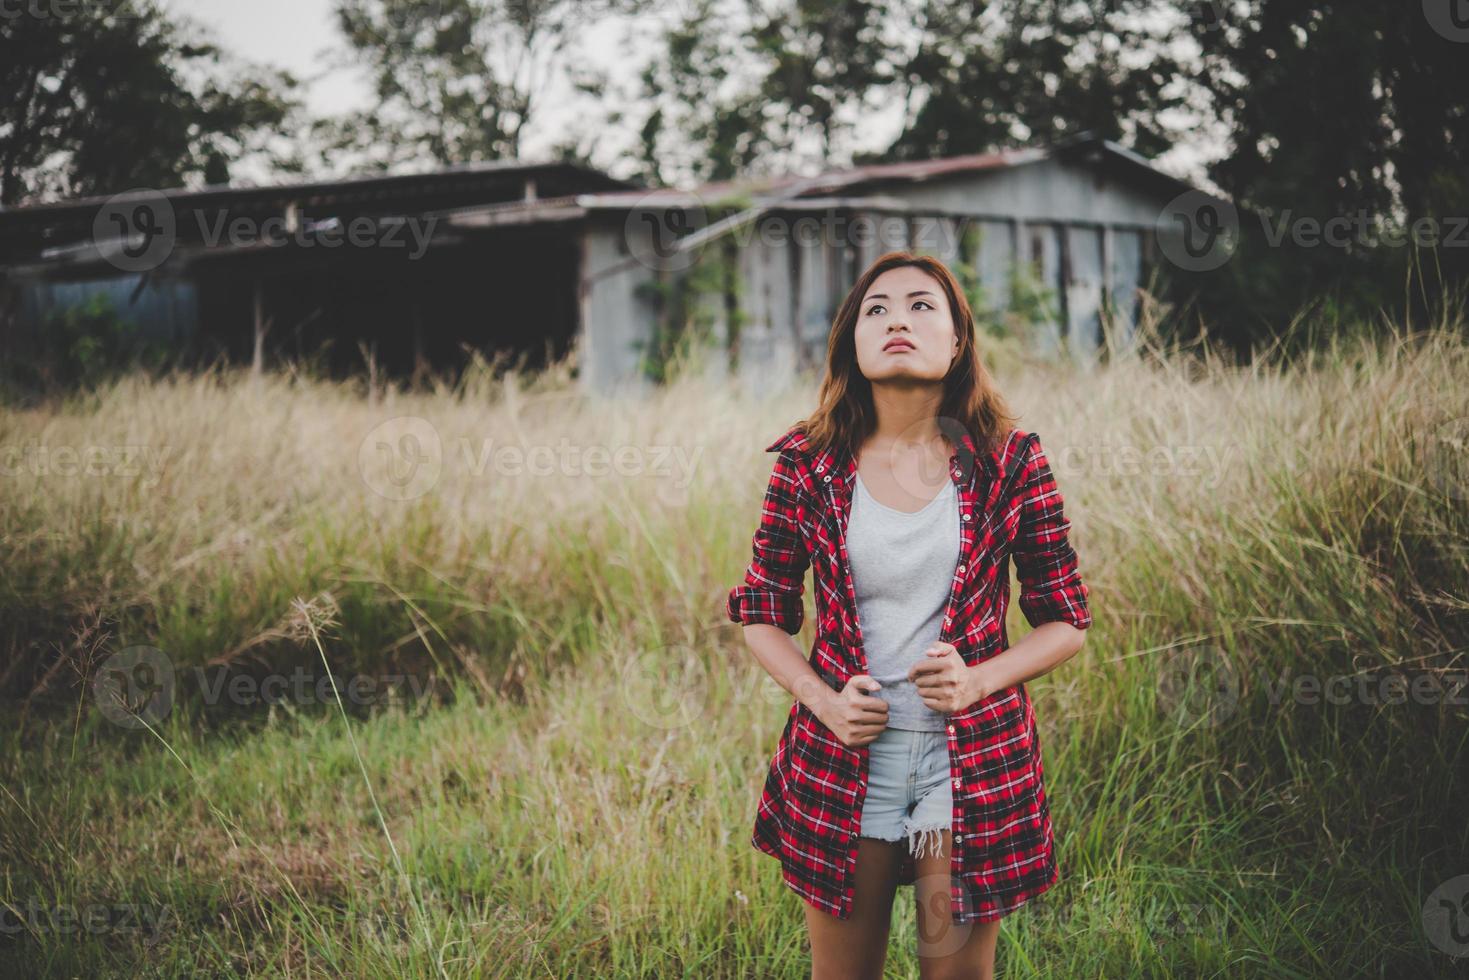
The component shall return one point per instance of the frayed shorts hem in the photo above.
(921, 840)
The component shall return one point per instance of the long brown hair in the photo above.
(846, 416)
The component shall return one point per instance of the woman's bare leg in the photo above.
(947, 951)
(855, 948)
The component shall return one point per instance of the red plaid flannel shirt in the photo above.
(1002, 849)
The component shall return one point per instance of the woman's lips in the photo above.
(893, 345)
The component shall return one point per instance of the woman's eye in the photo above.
(878, 306)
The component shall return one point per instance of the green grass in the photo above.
(573, 795)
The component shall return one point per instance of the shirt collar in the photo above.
(961, 463)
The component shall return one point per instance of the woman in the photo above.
(906, 492)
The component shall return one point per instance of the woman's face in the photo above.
(905, 330)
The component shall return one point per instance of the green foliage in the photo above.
(1033, 304)
(1391, 147)
(557, 805)
(966, 270)
(104, 97)
(457, 81)
(1391, 143)
(1032, 71)
(88, 344)
(691, 302)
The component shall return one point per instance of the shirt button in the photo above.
(961, 569)
(956, 784)
(958, 838)
(966, 513)
(951, 729)
(827, 479)
(821, 467)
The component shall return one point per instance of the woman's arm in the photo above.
(769, 601)
(775, 579)
(783, 660)
(769, 605)
(1052, 595)
(1044, 647)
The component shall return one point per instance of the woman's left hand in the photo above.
(944, 681)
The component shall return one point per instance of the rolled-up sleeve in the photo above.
(775, 578)
(1051, 588)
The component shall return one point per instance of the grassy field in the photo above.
(1256, 764)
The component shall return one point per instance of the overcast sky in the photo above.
(300, 36)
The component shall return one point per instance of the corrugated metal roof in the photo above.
(800, 186)
(356, 186)
(765, 192)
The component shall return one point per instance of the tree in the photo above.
(1356, 111)
(744, 85)
(987, 75)
(458, 81)
(102, 99)
(748, 83)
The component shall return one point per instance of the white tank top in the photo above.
(902, 572)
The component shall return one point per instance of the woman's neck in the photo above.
(907, 416)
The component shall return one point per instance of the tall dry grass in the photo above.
(575, 797)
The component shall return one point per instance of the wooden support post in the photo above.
(262, 327)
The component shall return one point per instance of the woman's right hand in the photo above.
(854, 717)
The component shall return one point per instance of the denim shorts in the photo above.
(908, 792)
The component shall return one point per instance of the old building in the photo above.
(547, 259)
